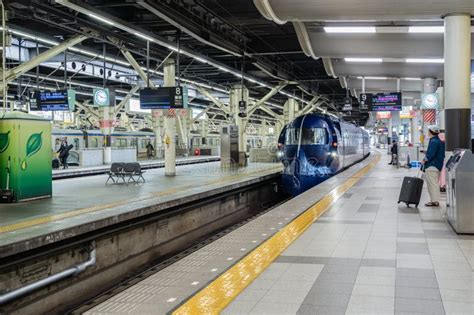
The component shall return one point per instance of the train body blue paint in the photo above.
(314, 147)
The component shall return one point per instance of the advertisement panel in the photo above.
(25, 157)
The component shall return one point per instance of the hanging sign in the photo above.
(59, 100)
(365, 102)
(164, 97)
(347, 104)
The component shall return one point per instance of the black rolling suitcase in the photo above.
(411, 190)
(55, 164)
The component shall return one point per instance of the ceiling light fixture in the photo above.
(412, 79)
(422, 60)
(426, 29)
(373, 78)
(363, 59)
(92, 15)
(344, 29)
(145, 37)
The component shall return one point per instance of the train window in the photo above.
(309, 136)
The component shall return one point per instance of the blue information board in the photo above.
(163, 97)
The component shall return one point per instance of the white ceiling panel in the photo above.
(388, 69)
(363, 10)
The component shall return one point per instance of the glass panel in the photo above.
(308, 136)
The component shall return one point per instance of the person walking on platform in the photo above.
(149, 150)
(64, 153)
(394, 151)
(433, 164)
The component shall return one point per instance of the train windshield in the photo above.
(308, 136)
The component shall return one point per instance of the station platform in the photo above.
(343, 247)
(84, 204)
(76, 171)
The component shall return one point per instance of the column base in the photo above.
(458, 128)
(170, 174)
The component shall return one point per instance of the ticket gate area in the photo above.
(460, 192)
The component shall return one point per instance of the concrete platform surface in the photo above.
(78, 202)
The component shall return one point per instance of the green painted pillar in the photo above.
(25, 156)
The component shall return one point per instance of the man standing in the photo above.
(149, 150)
(394, 151)
(64, 153)
(433, 164)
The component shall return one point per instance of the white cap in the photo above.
(434, 129)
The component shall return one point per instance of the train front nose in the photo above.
(291, 172)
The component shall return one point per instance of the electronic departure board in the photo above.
(51, 100)
(163, 97)
(387, 101)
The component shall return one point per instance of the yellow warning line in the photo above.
(219, 293)
(73, 213)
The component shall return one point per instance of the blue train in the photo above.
(314, 147)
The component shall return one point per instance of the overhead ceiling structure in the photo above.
(220, 43)
(379, 40)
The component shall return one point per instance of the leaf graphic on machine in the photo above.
(4, 141)
(33, 145)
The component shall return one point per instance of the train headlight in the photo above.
(333, 154)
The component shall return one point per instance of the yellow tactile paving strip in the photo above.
(218, 294)
(73, 213)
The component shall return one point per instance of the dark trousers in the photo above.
(64, 161)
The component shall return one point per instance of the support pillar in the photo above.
(289, 110)
(238, 93)
(107, 127)
(428, 86)
(170, 124)
(457, 85)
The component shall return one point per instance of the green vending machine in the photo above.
(25, 157)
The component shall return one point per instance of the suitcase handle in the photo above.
(420, 170)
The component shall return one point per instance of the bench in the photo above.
(126, 172)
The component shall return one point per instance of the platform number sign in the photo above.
(365, 102)
(347, 104)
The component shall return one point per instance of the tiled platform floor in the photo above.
(368, 255)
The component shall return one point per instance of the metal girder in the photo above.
(218, 103)
(268, 96)
(310, 106)
(87, 109)
(202, 113)
(14, 73)
(142, 74)
(270, 112)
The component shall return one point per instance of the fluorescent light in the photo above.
(426, 29)
(423, 60)
(199, 59)
(144, 37)
(373, 78)
(102, 19)
(412, 79)
(344, 29)
(363, 59)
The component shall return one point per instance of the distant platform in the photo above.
(76, 171)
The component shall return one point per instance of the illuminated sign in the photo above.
(164, 97)
(387, 101)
